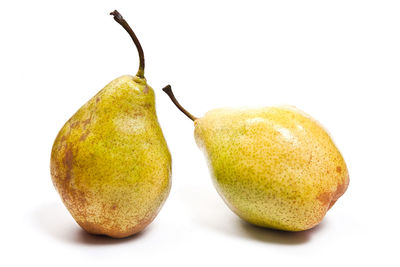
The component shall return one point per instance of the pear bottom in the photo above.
(108, 227)
(115, 212)
(290, 216)
(95, 229)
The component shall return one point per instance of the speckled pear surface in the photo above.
(110, 162)
(275, 167)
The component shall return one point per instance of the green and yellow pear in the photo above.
(110, 162)
(274, 167)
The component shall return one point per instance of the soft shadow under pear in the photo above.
(277, 236)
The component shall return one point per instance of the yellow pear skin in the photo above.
(110, 162)
(275, 167)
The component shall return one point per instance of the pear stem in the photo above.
(167, 89)
(118, 18)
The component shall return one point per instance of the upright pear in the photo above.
(110, 162)
(274, 167)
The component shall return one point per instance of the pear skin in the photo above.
(274, 167)
(110, 162)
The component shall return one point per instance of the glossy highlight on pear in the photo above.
(110, 162)
(274, 167)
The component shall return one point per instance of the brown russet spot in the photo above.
(340, 189)
(86, 122)
(338, 169)
(329, 198)
(147, 105)
(75, 124)
(68, 163)
(114, 206)
(325, 198)
(97, 99)
(64, 174)
(84, 136)
(137, 114)
(146, 89)
(62, 143)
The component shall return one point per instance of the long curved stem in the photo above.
(167, 89)
(118, 18)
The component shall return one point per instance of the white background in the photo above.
(339, 61)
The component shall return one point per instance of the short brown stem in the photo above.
(118, 18)
(167, 89)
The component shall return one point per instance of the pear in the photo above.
(274, 167)
(110, 162)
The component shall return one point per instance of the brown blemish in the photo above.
(84, 136)
(340, 189)
(97, 99)
(114, 207)
(137, 114)
(338, 169)
(86, 122)
(329, 198)
(68, 163)
(325, 198)
(64, 175)
(146, 89)
(75, 124)
(62, 143)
